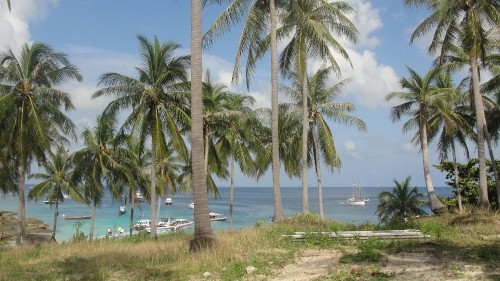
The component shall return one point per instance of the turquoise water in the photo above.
(251, 204)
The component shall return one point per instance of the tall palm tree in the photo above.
(240, 140)
(102, 164)
(159, 110)
(30, 109)
(203, 235)
(321, 106)
(472, 23)
(455, 59)
(56, 182)
(401, 203)
(455, 123)
(260, 16)
(420, 96)
(309, 25)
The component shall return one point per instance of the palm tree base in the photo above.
(202, 243)
(436, 205)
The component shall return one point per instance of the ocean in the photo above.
(251, 204)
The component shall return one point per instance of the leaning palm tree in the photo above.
(260, 17)
(309, 26)
(56, 182)
(321, 106)
(159, 110)
(421, 94)
(30, 109)
(470, 24)
(102, 164)
(400, 204)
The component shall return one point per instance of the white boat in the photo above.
(167, 225)
(139, 197)
(191, 206)
(358, 196)
(122, 210)
(216, 217)
(142, 224)
(168, 201)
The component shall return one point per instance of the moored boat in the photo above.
(122, 210)
(191, 206)
(358, 196)
(168, 201)
(216, 217)
(76, 217)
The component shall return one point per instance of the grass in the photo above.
(168, 257)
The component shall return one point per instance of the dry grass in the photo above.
(168, 257)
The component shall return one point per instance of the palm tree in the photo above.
(203, 236)
(420, 96)
(159, 110)
(309, 25)
(56, 182)
(455, 123)
(320, 108)
(260, 16)
(240, 140)
(455, 59)
(401, 203)
(470, 23)
(102, 164)
(30, 114)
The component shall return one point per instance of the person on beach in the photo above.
(110, 233)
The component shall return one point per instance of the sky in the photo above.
(101, 36)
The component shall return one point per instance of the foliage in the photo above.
(400, 204)
(79, 235)
(469, 181)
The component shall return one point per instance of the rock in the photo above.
(250, 269)
(207, 274)
(355, 269)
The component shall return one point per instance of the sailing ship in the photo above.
(358, 196)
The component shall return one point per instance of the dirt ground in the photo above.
(421, 265)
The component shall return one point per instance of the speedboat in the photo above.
(122, 210)
(191, 206)
(216, 217)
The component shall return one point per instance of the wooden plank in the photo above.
(365, 234)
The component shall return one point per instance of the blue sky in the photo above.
(100, 36)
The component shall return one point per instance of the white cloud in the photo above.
(366, 20)
(350, 148)
(14, 24)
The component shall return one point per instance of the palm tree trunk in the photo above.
(158, 208)
(457, 181)
(203, 237)
(231, 192)
(436, 205)
(278, 209)
(21, 217)
(56, 213)
(305, 123)
(317, 164)
(153, 191)
(91, 234)
(492, 158)
(132, 203)
(483, 202)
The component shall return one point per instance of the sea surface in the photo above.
(251, 204)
